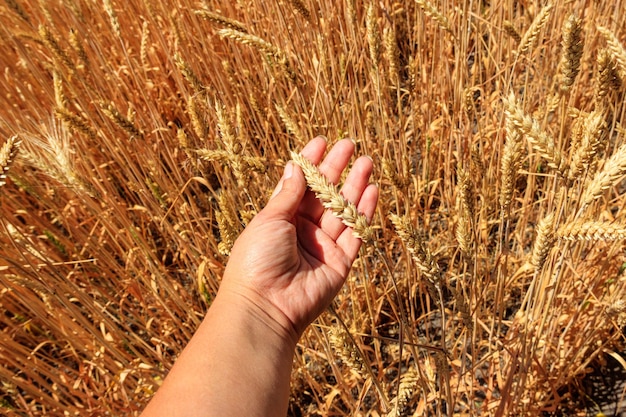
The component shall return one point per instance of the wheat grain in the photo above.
(530, 37)
(222, 20)
(539, 140)
(331, 199)
(614, 169)
(592, 230)
(8, 151)
(544, 242)
(572, 44)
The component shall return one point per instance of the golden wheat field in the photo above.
(139, 137)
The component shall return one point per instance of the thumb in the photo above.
(288, 194)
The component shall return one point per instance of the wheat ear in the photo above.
(572, 43)
(592, 131)
(415, 245)
(614, 169)
(331, 199)
(510, 164)
(615, 47)
(222, 20)
(115, 23)
(346, 350)
(539, 140)
(543, 243)
(15, 6)
(301, 8)
(465, 202)
(431, 11)
(532, 33)
(592, 230)
(8, 151)
(608, 76)
(510, 30)
(373, 33)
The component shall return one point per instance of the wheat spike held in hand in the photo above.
(331, 199)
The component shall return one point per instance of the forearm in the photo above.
(237, 364)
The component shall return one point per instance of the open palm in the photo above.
(295, 255)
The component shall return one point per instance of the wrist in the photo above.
(257, 313)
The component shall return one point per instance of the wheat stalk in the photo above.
(592, 230)
(532, 33)
(8, 151)
(331, 199)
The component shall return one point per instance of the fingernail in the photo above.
(288, 170)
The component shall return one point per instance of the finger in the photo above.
(331, 167)
(285, 202)
(356, 182)
(366, 205)
(313, 151)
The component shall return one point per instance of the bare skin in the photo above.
(284, 270)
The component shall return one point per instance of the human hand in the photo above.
(294, 256)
